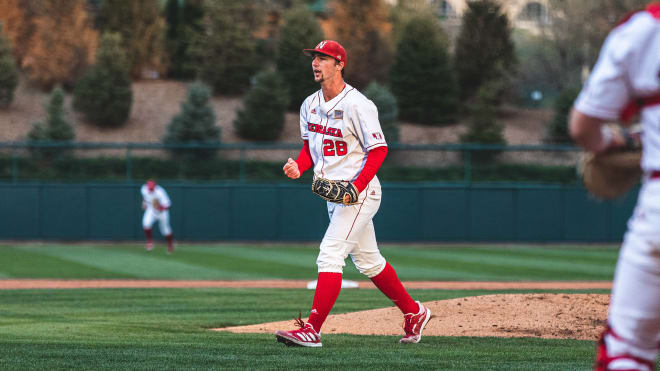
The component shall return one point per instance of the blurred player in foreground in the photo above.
(626, 79)
(156, 204)
(343, 141)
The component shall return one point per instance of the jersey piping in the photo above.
(358, 213)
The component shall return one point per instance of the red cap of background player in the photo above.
(151, 184)
(331, 48)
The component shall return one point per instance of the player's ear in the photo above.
(340, 65)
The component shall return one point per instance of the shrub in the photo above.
(557, 130)
(262, 115)
(8, 72)
(225, 52)
(104, 94)
(483, 129)
(484, 49)
(194, 124)
(55, 129)
(300, 31)
(62, 42)
(142, 28)
(421, 77)
(388, 112)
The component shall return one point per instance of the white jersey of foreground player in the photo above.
(628, 69)
(340, 132)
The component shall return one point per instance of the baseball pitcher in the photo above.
(625, 79)
(344, 146)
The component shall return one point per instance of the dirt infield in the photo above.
(569, 316)
(16, 284)
(550, 316)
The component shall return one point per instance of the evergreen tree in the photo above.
(184, 22)
(196, 123)
(55, 129)
(104, 93)
(142, 28)
(388, 112)
(558, 127)
(262, 115)
(300, 31)
(224, 53)
(362, 27)
(484, 49)
(483, 129)
(8, 72)
(421, 77)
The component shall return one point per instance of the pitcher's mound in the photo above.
(559, 316)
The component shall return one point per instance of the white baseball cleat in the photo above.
(414, 323)
(305, 336)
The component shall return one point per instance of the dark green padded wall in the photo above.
(283, 212)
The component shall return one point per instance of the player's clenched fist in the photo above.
(291, 169)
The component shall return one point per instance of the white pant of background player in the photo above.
(351, 232)
(635, 307)
(163, 217)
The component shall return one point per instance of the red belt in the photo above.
(655, 175)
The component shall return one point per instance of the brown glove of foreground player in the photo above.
(613, 172)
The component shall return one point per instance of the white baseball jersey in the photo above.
(628, 68)
(158, 193)
(340, 132)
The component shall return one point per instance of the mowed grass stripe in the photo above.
(508, 259)
(21, 262)
(592, 256)
(596, 254)
(298, 256)
(269, 262)
(260, 351)
(603, 255)
(413, 268)
(136, 262)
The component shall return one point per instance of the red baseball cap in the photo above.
(151, 184)
(331, 48)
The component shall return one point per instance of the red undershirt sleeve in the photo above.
(304, 159)
(375, 158)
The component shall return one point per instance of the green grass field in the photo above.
(168, 328)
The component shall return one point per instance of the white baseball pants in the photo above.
(635, 305)
(163, 217)
(351, 232)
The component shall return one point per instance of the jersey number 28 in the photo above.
(334, 148)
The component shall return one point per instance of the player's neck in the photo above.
(332, 88)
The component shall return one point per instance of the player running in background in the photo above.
(628, 73)
(343, 140)
(156, 204)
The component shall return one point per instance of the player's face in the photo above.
(324, 67)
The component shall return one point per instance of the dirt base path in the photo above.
(550, 316)
(14, 284)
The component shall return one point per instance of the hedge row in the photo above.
(109, 169)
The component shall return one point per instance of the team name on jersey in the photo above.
(316, 128)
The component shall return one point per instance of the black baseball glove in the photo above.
(340, 192)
